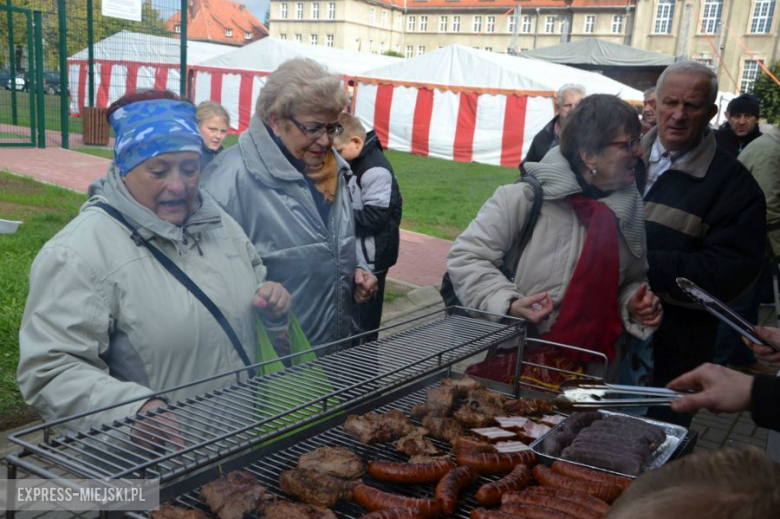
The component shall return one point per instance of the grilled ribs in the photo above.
(316, 488)
(335, 461)
(234, 495)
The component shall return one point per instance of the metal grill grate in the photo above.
(220, 423)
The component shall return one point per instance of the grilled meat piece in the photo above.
(463, 385)
(398, 423)
(529, 407)
(376, 427)
(442, 428)
(479, 408)
(315, 487)
(174, 512)
(438, 402)
(415, 443)
(234, 495)
(334, 461)
(282, 509)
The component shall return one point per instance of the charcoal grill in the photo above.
(225, 429)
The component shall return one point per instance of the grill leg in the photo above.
(10, 497)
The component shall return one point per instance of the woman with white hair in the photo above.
(288, 188)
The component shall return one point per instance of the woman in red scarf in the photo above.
(581, 278)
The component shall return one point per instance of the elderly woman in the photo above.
(581, 277)
(289, 190)
(213, 124)
(105, 321)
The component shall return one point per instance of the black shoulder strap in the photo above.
(185, 280)
(513, 255)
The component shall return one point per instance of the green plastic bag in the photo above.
(284, 389)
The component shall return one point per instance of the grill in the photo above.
(232, 428)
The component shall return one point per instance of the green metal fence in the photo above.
(87, 59)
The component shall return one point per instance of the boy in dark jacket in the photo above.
(377, 212)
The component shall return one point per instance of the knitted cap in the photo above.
(744, 104)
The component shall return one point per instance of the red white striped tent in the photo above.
(467, 105)
(127, 61)
(234, 80)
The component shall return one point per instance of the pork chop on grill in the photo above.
(233, 495)
(335, 461)
(442, 427)
(174, 512)
(415, 443)
(479, 408)
(378, 427)
(282, 509)
(315, 487)
(438, 402)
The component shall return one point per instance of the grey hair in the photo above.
(691, 67)
(569, 86)
(209, 109)
(649, 91)
(300, 86)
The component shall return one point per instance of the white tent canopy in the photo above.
(126, 61)
(235, 79)
(464, 104)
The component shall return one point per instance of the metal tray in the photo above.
(675, 435)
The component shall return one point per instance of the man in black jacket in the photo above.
(567, 99)
(741, 126)
(705, 221)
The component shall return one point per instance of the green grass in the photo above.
(44, 210)
(51, 111)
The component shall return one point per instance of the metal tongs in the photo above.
(581, 394)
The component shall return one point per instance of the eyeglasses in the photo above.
(632, 144)
(332, 129)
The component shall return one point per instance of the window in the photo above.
(710, 16)
(315, 11)
(371, 46)
(456, 24)
(384, 18)
(590, 21)
(420, 50)
(549, 24)
(398, 48)
(664, 14)
(298, 38)
(410, 23)
(749, 75)
(331, 10)
(283, 36)
(177, 29)
(228, 33)
(511, 22)
(477, 27)
(489, 49)
(398, 22)
(762, 16)
(329, 40)
(299, 11)
(423, 23)
(371, 16)
(526, 28)
(617, 24)
(283, 11)
(409, 51)
(442, 24)
(490, 24)
(247, 35)
(313, 39)
(382, 47)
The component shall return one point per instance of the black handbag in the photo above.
(453, 305)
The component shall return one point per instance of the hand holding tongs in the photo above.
(589, 394)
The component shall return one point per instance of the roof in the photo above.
(508, 4)
(209, 19)
(457, 67)
(146, 48)
(267, 54)
(593, 51)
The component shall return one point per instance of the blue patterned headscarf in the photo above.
(146, 129)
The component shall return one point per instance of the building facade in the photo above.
(218, 21)
(716, 32)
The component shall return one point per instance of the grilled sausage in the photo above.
(580, 472)
(454, 482)
(409, 473)
(484, 513)
(395, 513)
(496, 462)
(490, 493)
(535, 512)
(581, 498)
(548, 478)
(374, 499)
(567, 507)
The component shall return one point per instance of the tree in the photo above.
(768, 92)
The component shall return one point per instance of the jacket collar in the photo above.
(111, 190)
(558, 181)
(695, 162)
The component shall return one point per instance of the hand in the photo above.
(767, 353)
(645, 307)
(272, 299)
(720, 390)
(365, 285)
(152, 433)
(532, 308)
